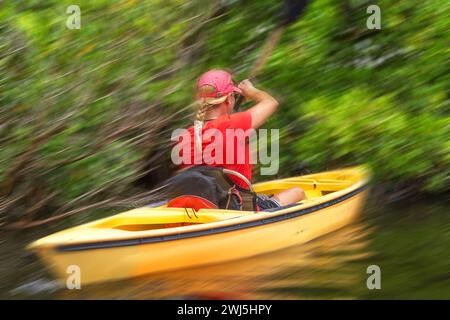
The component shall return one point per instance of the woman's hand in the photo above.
(265, 105)
(248, 89)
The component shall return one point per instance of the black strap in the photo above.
(249, 196)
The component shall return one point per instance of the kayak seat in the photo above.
(191, 201)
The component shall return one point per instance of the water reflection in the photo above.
(307, 271)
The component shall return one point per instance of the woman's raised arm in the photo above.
(265, 105)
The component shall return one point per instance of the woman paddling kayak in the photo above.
(216, 97)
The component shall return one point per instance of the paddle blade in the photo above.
(292, 9)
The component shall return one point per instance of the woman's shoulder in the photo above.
(218, 122)
(239, 120)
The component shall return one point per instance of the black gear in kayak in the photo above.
(212, 184)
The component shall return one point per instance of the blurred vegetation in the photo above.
(84, 113)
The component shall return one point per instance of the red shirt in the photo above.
(230, 151)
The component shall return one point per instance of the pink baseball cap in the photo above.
(215, 86)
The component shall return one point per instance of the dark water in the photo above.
(410, 242)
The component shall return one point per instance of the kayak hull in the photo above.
(121, 257)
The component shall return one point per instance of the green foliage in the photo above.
(349, 95)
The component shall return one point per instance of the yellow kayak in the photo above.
(156, 239)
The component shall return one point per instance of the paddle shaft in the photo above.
(268, 47)
(291, 12)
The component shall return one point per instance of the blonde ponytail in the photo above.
(198, 123)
